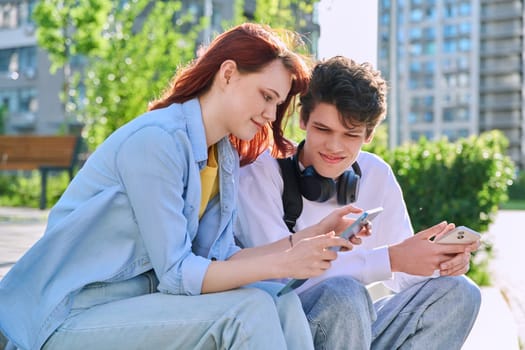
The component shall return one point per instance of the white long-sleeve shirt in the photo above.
(261, 211)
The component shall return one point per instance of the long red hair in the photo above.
(252, 47)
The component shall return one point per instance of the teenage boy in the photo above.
(433, 305)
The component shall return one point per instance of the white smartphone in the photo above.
(358, 224)
(459, 235)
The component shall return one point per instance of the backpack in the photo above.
(292, 198)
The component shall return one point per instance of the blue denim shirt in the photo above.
(132, 207)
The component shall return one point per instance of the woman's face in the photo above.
(253, 98)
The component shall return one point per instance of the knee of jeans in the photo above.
(342, 286)
(261, 300)
(344, 294)
(290, 303)
(466, 294)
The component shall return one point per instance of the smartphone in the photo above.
(350, 231)
(459, 235)
(358, 224)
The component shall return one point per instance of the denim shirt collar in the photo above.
(197, 135)
(195, 128)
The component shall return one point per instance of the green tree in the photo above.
(67, 29)
(147, 42)
(289, 14)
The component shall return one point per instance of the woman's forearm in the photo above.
(233, 273)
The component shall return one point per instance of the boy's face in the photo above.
(330, 147)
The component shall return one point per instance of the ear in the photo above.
(370, 137)
(226, 71)
(302, 124)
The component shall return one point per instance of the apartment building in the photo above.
(28, 91)
(455, 68)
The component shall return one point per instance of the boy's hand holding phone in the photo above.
(459, 235)
(460, 263)
(360, 227)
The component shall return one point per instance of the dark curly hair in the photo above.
(357, 91)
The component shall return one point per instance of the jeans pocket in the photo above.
(98, 293)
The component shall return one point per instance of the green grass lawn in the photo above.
(513, 204)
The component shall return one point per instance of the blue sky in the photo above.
(349, 28)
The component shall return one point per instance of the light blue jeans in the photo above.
(436, 314)
(132, 315)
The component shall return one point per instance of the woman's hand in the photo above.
(310, 257)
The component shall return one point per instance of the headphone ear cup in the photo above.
(315, 187)
(348, 187)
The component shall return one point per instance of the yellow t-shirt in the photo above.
(209, 179)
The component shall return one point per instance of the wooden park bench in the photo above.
(39, 152)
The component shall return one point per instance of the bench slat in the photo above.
(18, 152)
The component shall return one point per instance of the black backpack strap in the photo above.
(292, 199)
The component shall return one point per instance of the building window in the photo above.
(464, 44)
(449, 46)
(19, 102)
(455, 114)
(421, 110)
(454, 134)
(429, 48)
(465, 9)
(416, 15)
(8, 16)
(16, 13)
(385, 19)
(416, 33)
(18, 61)
(416, 135)
(449, 31)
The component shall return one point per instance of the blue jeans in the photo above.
(435, 314)
(132, 315)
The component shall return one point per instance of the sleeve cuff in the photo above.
(377, 265)
(188, 280)
(193, 270)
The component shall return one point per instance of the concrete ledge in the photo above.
(495, 327)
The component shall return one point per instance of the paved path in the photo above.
(508, 266)
(501, 322)
(20, 228)
(502, 317)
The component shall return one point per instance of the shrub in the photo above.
(517, 189)
(462, 182)
(22, 188)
